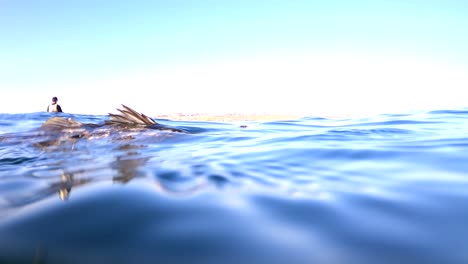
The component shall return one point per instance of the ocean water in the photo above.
(382, 189)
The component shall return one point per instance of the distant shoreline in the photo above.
(229, 117)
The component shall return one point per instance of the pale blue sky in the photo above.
(233, 56)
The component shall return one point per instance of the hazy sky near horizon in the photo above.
(277, 56)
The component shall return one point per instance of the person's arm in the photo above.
(59, 109)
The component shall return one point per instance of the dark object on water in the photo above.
(128, 118)
(131, 118)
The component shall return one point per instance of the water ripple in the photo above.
(383, 189)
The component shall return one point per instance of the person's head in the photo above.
(54, 99)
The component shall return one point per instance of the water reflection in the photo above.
(123, 167)
(65, 186)
(131, 164)
(62, 163)
(32, 188)
(65, 162)
(127, 163)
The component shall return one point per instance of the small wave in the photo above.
(449, 112)
(16, 161)
(372, 132)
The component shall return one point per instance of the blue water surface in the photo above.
(385, 189)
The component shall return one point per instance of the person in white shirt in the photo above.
(54, 107)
